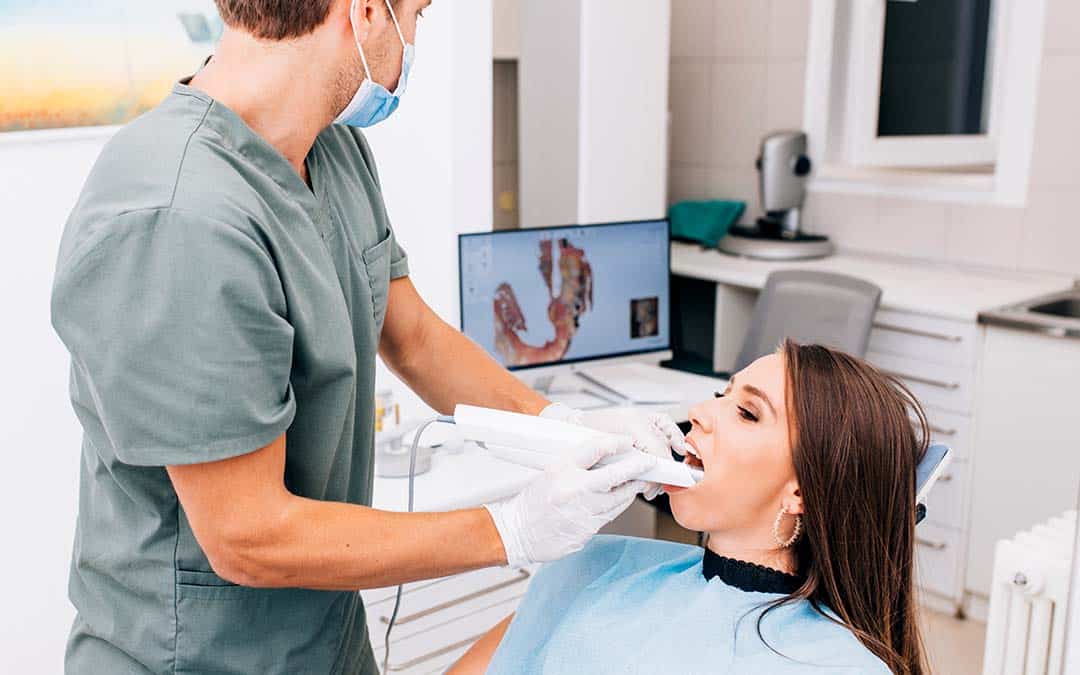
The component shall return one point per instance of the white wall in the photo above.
(549, 76)
(738, 70)
(38, 429)
(624, 107)
(507, 29)
(592, 81)
(435, 163)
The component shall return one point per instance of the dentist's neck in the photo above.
(753, 547)
(282, 90)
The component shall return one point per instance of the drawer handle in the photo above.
(942, 432)
(920, 333)
(945, 478)
(398, 667)
(521, 576)
(457, 645)
(930, 544)
(924, 380)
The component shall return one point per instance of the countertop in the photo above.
(941, 290)
(474, 476)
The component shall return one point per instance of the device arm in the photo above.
(443, 366)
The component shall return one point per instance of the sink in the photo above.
(1057, 314)
(1068, 307)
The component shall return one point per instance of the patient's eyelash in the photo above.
(747, 415)
(718, 394)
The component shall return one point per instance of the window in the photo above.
(925, 94)
(923, 82)
(934, 72)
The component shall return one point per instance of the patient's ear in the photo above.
(792, 499)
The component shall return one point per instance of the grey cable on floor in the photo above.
(397, 600)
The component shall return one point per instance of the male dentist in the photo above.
(223, 285)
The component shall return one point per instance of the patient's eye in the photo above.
(747, 415)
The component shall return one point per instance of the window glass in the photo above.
(934, 68)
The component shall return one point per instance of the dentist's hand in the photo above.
(561, 510)
(654, 433)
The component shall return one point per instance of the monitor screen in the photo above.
(567, 294)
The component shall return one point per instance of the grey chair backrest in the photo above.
(811, 308)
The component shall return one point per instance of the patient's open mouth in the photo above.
(693, 456)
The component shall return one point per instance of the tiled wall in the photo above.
(737, 72)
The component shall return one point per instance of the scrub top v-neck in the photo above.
(211, 302)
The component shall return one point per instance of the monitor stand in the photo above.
(583, 397)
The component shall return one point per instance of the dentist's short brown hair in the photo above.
(274, 19)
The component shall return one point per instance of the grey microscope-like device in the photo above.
(783, 168)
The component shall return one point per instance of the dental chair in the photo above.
(811, 308)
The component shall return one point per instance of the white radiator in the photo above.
(1025, 630)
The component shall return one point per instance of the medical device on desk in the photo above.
(537, 442)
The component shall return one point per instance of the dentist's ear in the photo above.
(362, 17)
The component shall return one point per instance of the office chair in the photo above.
(812, 308)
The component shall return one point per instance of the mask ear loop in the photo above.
(401, 36)
(356, 38)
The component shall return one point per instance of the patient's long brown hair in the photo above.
(855, 449)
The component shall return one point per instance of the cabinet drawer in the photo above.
(943, 386)
(925, 338)
(951, 429)
(438, 620)
(945, 503)
(438, 646)
(423, 595)
(937, 554)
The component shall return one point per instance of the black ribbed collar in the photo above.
(749, 576)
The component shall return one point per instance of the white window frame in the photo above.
(865, 147)
(842, 97)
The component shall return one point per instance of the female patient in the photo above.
(808, 501)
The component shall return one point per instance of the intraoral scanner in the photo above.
(537, 442)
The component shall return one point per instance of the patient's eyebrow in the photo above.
(754, 391)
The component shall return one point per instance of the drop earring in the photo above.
(790, 541)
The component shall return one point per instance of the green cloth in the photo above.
(211, 302)
(704, 222)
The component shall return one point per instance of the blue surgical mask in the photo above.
(373, 103)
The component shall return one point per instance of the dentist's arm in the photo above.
(256, 533)
(442, 365)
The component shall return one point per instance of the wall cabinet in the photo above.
(1027, 468)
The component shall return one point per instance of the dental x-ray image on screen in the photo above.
(559, 295)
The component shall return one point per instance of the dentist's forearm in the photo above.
(447, 368)
(334, 546)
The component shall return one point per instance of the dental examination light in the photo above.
(538, 443)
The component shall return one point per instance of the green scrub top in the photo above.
(211, 302)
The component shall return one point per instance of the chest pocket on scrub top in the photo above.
(377, 269)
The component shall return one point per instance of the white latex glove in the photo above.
(654, 433)
(562, 509)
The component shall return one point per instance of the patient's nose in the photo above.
(701, 419)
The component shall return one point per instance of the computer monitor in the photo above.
(561, 296)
